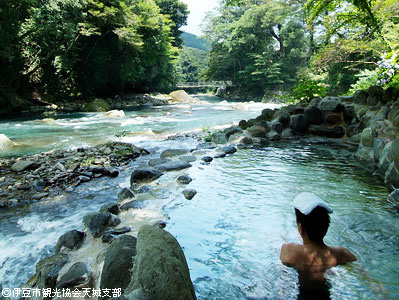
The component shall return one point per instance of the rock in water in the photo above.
(47, 270)
(115, 114)
(189, 194)
(160, 270)
(173, 166)
(141, 175)
(125, 194)
(78, 274)
(173, 152)
(5, 142)
(96, 222)
(184, 179)
(72, 240)
(118, 263)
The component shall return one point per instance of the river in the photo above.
(232, 232)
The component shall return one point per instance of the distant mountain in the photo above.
(191, 40)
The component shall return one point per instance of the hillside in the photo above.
(191, 40)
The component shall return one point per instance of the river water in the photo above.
(233, 229)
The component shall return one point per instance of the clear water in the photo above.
(232, 230)
(142, 124)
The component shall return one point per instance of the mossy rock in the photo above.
(98, 105)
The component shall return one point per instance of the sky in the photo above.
(197, 9)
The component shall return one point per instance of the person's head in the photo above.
(312, 216)
(315, 224)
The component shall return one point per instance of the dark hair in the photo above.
(315, 224)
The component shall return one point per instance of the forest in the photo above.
(52, 49)
(71, 49)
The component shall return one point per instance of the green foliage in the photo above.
(388, 70)
(88, 47)
(192, 64)
(366, 78)
(257, 46)
(308, 89)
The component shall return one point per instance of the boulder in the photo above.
(299, 123)
(24, 165)
(160, 270)
(98, 105)
(78, 275)
(392, 177)
(5, 142)
(184, 179)
(360, 97)
(96, 222)
(368, 136)
(232, 130)
(246, 140)
(218, 137)
(188, 158)
(332, 104)
(135, 204)
(256, 131)
(283, 117)
(112, 208)
(173, 165)
(125, 194)
(268, 114)
(158, 161)
(189, 193)
(143, 175)
(315, 101)
(229, 149)
(207, 159)
(173, 152)
(271, 136)
(115, 114)
(349, 113)
(243, 124)
(287, 134)
(47, 270)
(118, 263)
(376, 94)
(180, 96)
(71, 240)
(323, 131)
(314, 115)
(277, 127)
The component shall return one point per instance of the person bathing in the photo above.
(313, 257)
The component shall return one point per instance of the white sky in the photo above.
(197, 9)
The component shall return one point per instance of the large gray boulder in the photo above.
(324, 131)
(332, 104)
(71, 240)
(283, 117)
(376, 94)
(142, 175)
(257, 131)
(392, 177)
(47, 270)
(118, 263)
(160, 271)
(96, 222)
(24, 165)
(360, 97)
(299, 123)
(173, 165)
(78, 275)
(368, 136)
(314, 115)
(173, 152)
(5, 142)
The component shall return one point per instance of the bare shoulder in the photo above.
(343, 255)
(289, 253)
